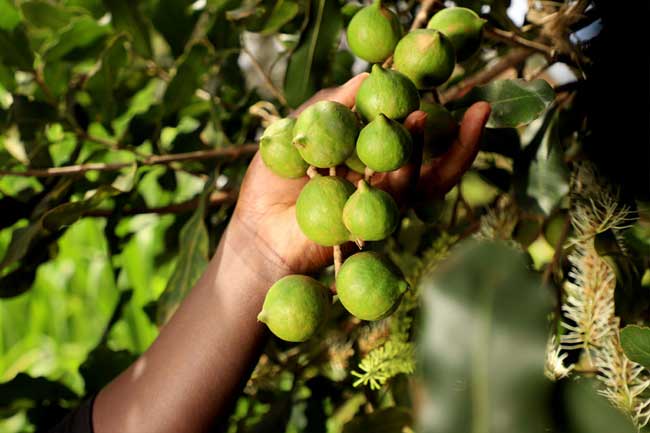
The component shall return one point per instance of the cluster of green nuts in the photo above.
(330, 211)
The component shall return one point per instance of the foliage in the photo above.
(126, 128)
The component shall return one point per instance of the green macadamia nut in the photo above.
(373, 33)
(384, 144)
(425, 56)
(463, 28)
(295, 307)
(386, 92)
(369, 286)
(370, 214)
(278, 152)
(325, 134)
(319, 210)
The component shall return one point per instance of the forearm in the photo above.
(188, 377)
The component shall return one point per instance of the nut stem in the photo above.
(338, 259)
(368, 174)
(312, 172)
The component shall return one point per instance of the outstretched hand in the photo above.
(265, 211)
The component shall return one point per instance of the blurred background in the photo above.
(126, 128)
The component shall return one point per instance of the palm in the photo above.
(266, 205)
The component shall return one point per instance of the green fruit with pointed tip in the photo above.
(386, 92)
(295, 307)
(369, 286)
(373, 33)
(384, 144)
(370, 214)
(325, 134)
(440, 130)
(463, 28)
(355, 164)
(319, 210)
(278, 152)
(425, 56)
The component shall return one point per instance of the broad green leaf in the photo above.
(68, 213)
(482, 344)
(103, 83)
(9, 16)
(636, 344)
(192, 260)
(104, 365)
(514, 102)
(541, 175)
(80, 33)
(283, 12)
(20, 243)
(127, 17)
(390, 420)
(188, 78)
(41, 13)
(310, 61)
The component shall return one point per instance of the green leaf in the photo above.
(310, 60)
(104, 81)
(9, 16)
(102, 366)
(40, 13)
(514, 102)
(482, 344)
(187, 79)
(541, 175)
(636, 344)
(127, 17)
(68, 213)
(283, 12)
(80, 33)
(389, 420)
(192, 260)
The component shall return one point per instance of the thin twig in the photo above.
(312, 172)
(515, 39)
(338, 259)
(215, 199)
(267, 80)
(513, 58)
(227, 152)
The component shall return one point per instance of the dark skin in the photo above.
(187, 380)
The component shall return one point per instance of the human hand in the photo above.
(265, 213)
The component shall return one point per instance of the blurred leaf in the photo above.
(589, 412)
(127, 17)
(192, 260)
(310, 60)
(105, 79)
(9, 16)
(41, 13)
(81, 32)
(514, 102)
(390, 420)
(68, 213)
(188, 78)
(19, 245)
(636, 344)
(283, 12)
(482, 344)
